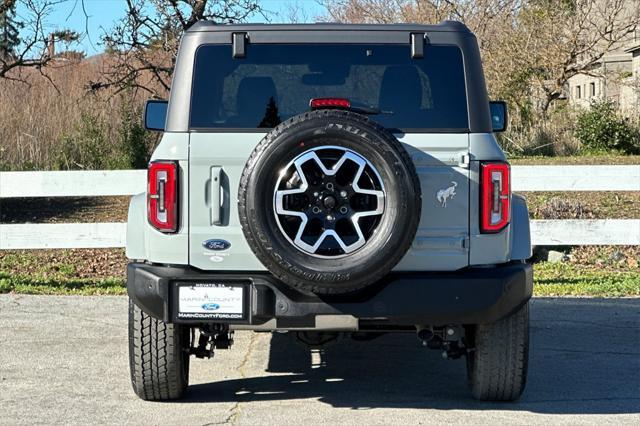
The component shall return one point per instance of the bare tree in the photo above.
(562, 39)
(492, 21)
(530, 48)
(32, 50)
(295, 13)
(144, 44)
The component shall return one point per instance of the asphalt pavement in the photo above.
(64, 360)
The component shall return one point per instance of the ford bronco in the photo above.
(326, 180)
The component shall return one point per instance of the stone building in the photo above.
(630, 86)
(608, 79)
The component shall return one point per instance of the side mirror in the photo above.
(155, 114)
(498, 110)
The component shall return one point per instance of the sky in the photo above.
(104, 13)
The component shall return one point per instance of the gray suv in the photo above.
(328, 180)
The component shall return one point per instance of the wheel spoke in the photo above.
(326, 197)
(280, 194)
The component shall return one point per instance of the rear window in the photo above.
(276, 81)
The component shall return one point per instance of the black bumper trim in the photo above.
(469, 296)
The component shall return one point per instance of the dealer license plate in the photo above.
(211, 301)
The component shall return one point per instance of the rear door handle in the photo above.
(216, 195)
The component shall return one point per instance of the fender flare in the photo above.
(136, 223)
(520, 230)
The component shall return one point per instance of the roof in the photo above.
(633, 48)
(444, 26)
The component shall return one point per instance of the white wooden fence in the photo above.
(129, 182)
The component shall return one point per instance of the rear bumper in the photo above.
(470, 296)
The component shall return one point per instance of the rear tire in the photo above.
(497, 369)
(158, 361)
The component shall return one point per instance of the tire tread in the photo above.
(158, 366)
(498, 368)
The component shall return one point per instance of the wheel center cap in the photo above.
(329, 202)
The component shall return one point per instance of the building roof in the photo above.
(633, 48)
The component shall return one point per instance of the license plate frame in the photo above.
(227, 302)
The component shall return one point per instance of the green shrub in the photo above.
(96, 143)
(86, 147)
(135, 143)
(549, 136)
(600, 129)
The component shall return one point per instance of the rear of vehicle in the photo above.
(327, 179)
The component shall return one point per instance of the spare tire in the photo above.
(329, 201)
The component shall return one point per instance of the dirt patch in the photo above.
(583, 205)
(617, 258)
(69, 263)
(64, 209)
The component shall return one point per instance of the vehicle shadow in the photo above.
(584, 359)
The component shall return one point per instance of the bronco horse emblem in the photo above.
(444, 194)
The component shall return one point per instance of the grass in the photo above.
(24, 272)
(576, 160)
(30, 284)
(566, 279)
(81, 272)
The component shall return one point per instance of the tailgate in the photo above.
(216, 164)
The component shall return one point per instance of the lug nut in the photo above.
(330, 218)
(343, 193)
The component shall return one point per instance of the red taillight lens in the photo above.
(317, 103)
(495, 197)
(162, 196)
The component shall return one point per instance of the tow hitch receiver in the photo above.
(450, 339)
(215, 337)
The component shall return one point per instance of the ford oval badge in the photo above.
(216, 244)
(210, 306)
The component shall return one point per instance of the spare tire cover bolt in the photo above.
(329, 202)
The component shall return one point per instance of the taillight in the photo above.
(495, 197)
(162, 195)
(317, 103)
